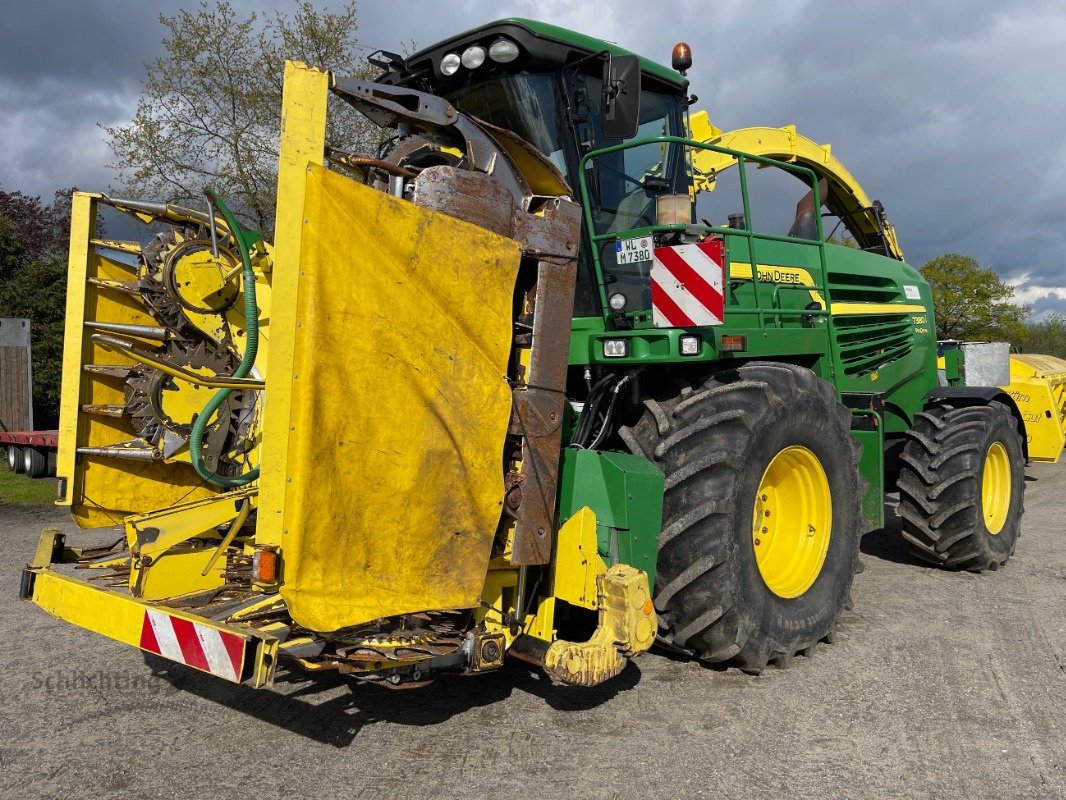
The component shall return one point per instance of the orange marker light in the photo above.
(681, 58)
(265, 566)
(734, 343)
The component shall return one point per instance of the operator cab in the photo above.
(567, 95)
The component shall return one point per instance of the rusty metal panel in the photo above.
(538, 406)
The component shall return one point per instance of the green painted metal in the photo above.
(872, 467)
(626, 494)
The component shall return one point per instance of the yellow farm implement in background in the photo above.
(1038, 386)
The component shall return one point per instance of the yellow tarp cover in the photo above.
(399, 407)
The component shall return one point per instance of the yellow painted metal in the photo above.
(121, 617)
(180, 571)
(385, 323)
(785, 144)
(577, 562)
(103, 491)
(620, 594)
(157, 531)
(627, 625)
(1038, 386)
(231, 534)
(498, 599)
(82, 231)
(995, 488)
(541, 623)
(303, 137)
(165, 564)
(46, 546)
(791, 521)
(858, 309)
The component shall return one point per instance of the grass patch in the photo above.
(26, 491)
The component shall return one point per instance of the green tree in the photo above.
(209, 112)
(1046, 337)
(33, 279)
(972, 302)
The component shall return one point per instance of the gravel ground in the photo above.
(940, 684)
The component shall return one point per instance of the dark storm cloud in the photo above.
(948, 112)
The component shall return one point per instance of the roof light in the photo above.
(503, 50)
(449, 65)
(681, 58)
(473, 57)
(673, 209)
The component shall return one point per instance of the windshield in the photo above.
(624, 185)
(533, 106)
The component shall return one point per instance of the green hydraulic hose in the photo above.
(245, 241)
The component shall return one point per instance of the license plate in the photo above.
(633, 251)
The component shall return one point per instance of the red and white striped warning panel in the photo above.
(687, 283)
(193, 644)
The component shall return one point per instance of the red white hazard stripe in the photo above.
(193, 644)
(687, 285)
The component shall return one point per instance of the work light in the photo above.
(449, 65)
(473, 57)
(503, 51)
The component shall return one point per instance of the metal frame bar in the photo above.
(747, 232)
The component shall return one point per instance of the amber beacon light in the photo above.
(681, 57)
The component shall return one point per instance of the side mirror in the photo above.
(621, 97)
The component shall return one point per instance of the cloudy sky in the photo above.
(951, 112)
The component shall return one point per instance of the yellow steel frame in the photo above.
(119, 616)
(303, 141)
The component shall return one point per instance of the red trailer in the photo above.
(31, 452)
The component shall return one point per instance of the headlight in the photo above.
(473, 57)
(690, 345)
(503, 51)
(617, 301)
(449, 65)
(615, 348)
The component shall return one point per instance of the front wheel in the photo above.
(761, 515)
(961, 486)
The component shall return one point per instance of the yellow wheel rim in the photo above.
(995, 488)
(792, 521)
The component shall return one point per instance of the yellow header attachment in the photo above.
(1038, 386)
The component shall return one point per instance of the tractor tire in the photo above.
(962, 486)
(741, 454)
(35, 462)
(16, 462)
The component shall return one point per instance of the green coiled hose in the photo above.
(245, 241)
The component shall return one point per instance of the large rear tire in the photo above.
(758, 461)
(962, 486)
